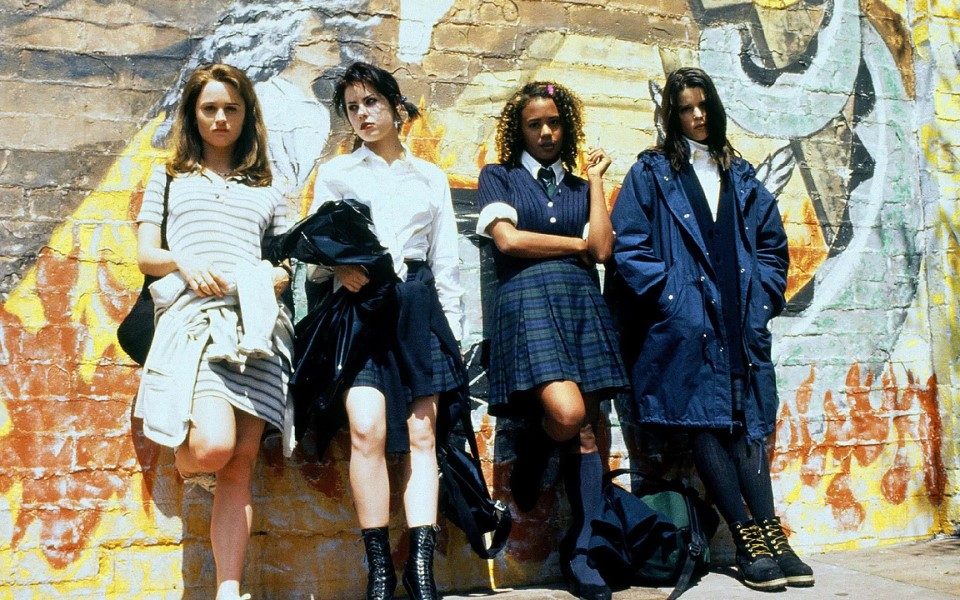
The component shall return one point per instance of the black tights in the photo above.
(734, 471)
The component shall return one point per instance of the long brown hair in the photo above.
(250, 153)
(674, 145)
(510, 144)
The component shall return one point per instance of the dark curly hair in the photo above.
(674, 145)
(510, 144)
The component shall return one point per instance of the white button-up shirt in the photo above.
(707, 173)
(533, 165)
(412, 212)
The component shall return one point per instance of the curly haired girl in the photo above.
(555, 352)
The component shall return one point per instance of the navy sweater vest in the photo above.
(720, 239)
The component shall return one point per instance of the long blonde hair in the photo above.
(250, 153)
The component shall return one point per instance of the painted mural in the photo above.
(849, 110)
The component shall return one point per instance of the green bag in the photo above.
(684, 525)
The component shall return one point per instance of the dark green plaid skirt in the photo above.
(551, 324)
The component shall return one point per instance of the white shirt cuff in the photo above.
(493, 212)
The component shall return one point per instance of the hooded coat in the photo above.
(666, 297)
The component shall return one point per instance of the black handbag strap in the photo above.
(163, 220)
(148, 279)
(646, 477)
(467, 522)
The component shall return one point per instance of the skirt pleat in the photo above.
(552, 324)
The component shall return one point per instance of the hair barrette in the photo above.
(550, 89)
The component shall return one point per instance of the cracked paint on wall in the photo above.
(848, 108)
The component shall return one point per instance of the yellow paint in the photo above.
(10, 502)
(776, 4)
(6, 424)
(98, 234)
(306, 196)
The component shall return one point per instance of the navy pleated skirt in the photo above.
(551, 324)
(445, 371)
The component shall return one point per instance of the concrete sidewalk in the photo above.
(928, 570)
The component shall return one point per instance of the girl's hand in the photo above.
(352, 277)
(281, 279)
(202, 278)
(597, 162)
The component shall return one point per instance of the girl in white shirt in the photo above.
(412, 212)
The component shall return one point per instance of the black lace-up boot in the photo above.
(381, 576)
(758, 569)
(797, 572)
(418, 574)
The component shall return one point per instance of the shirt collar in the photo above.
(699, 153)
(533, 166)
(365, 154)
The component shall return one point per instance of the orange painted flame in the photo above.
(860, 434)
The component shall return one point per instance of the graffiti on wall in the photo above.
(821, 95)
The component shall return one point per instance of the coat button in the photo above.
(713, 302)
(549, 204)
(553, 219)
(704, 335)
(765, 307)
(686, 215)
(670, 297)
(742, 270)
(702, 278)
(665, 178)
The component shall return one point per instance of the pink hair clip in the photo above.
(550, 89)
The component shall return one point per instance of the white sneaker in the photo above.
(204, 481)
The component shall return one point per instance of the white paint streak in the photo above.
(417, 19)
(798, 104)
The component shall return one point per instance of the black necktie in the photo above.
(548, 181)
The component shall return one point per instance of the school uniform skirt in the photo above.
(385, 368)
(551, 323)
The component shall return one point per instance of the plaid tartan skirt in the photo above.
(444, 371)
(551, 323)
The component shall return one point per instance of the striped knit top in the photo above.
(504, 189)
(222, 220)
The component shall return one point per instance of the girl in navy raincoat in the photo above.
(700, 268)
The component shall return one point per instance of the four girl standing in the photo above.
(555, 353)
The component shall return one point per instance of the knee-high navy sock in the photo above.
(583, 479)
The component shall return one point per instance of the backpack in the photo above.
(464, 497)
(658, 535)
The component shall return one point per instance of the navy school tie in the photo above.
(548, 181)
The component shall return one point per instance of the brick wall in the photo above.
(850, 108)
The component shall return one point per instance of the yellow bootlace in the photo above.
(776, 539)
(754, 542)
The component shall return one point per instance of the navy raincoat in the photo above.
(665, 295)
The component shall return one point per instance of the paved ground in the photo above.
(928, 570)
